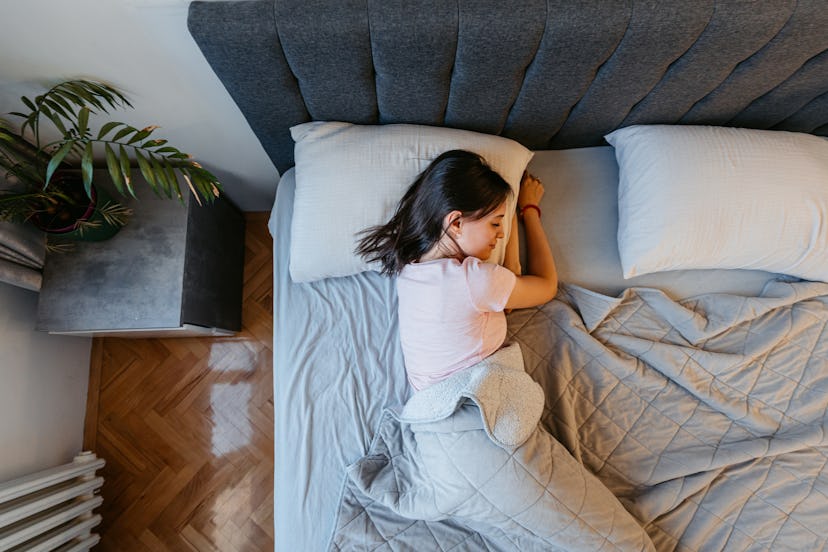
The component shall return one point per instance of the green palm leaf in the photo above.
(127, 130)
(114, 167)
(126, 170)
(86, 169)
(146, 170)
(107, 128)
(56, 160)
(83, 121)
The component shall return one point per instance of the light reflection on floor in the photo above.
(231, 426)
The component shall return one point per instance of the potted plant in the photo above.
(50, 179)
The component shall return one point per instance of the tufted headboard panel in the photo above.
(548, 73)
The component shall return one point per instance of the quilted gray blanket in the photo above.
(705, 419)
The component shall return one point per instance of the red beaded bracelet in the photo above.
(530, 206)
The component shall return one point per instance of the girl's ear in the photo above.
(451, 222)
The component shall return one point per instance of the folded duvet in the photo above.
(466, 466)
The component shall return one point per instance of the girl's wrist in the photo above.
(529, 207)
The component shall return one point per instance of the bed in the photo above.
(694, 393)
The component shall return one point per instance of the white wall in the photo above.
(143, 47)
(43, 383)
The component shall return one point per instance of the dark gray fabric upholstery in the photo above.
(808, 118)
(738, 28)
(240, 42)
(577, 41)
(548, 73)
(655, 34)
(802, 37)
(496, 42)
(328, 48)
(413, 47)
(792, 95)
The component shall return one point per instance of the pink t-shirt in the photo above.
(451, 315)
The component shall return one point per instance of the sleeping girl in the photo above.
(451, 303)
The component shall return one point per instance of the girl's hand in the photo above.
(531, 191)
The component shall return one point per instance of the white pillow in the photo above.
(693, 197)
(350, 177)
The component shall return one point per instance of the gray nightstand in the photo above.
(173, 270)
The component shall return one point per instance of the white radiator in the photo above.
(52, 509)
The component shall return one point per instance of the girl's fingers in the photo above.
(531, 189)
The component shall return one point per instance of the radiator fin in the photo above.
(52, 510)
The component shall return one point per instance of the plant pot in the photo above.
(67, 218)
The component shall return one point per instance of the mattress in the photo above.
(337, 359)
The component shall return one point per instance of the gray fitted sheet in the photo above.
(337, 363)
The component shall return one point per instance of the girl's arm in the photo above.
(540, 283)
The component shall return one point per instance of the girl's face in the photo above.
(477, 238)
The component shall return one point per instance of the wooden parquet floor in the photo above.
(186, 428)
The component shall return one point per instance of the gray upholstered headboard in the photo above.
(548, 73)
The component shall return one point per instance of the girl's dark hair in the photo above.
(456, 180)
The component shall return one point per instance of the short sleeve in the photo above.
(490, 285)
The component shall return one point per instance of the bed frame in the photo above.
(551, 74)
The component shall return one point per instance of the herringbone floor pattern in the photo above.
(186, 428)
